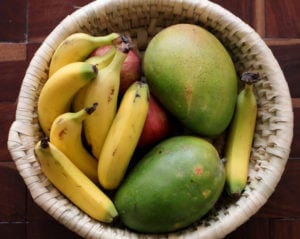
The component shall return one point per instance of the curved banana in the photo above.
(65, 134)
(240, 137)
(123, 135)
(57, 94)
(70, 181)
(103, 90)
(77, 47)
(100, 62)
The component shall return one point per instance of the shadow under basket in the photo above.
(142, 19)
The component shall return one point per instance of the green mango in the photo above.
(174, 185)
(192, 74)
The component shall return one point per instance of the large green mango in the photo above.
(193, 76)
(174, 185)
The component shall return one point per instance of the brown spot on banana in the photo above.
(111, 94)
(114, 152)
(62, 133)
(90, 110)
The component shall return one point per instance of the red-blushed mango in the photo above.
(192, 74)
(173, 186)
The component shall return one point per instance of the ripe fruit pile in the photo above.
(109, 126)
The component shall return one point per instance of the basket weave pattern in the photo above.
(142, 19)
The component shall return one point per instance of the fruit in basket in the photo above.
(123, 135)
(240, 137)
(104, 90)
(57, 93)
(103, 59)
(101, 62)
(65, 134)
(70, 181)
(131, 69)
(193, 76)
(173, 186)
(77, 47)
(157, 125)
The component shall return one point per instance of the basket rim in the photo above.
(22, 134)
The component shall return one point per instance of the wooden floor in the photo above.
(23, 26)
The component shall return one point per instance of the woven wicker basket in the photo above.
(142, 19)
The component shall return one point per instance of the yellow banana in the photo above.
(123, 135)
(100, 62)
(77, 47)
(104, 90)
(57, 94)
(65, 134)
(240, 137)
(71, 182)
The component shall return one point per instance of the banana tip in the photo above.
(95, 69)
(91, 109)
(233, 194)
(116, 221)
(45, 142)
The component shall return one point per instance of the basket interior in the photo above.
(142, 20)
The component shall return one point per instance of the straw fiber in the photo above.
(142, 19)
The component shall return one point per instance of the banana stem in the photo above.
(250, 77)
(95, 69)
(248, 88)
(107, 38)
(90, 110)
(125, 44)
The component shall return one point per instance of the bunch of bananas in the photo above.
(89, 137)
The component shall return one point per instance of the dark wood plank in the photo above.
(13, 194)
(49, 230)
(31, 49)
(7, 110)
(243, 9)
(295, 149)
(13, 21)
(282, 18)
(44, 16)
(12, 74)
(285, 228)
(13, 68)
(12, 230)
(12, 52)
(35, 212)
(287, 54)
(284, 203)
(254, 228)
